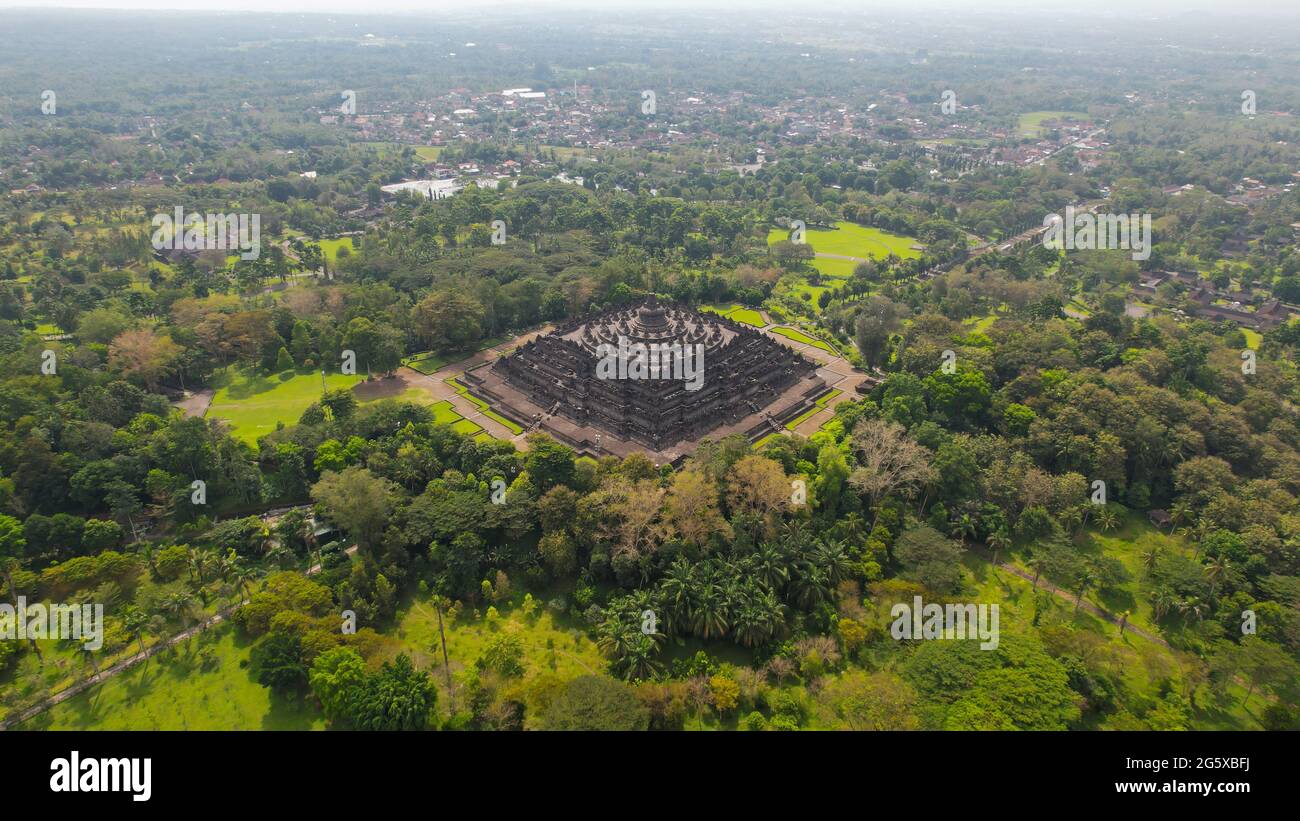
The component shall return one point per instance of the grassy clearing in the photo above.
(203, 684)
(835, 268)
(551, 643)
(330, 247)
(852, 240)
(1138, 661)
(1031, 124)
(800, 336)
(980, 324)
(737, 313)
(254, 404)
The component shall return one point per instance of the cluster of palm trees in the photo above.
(746, 597)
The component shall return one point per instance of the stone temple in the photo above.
(572, 384)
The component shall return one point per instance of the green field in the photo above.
(205, 684)
(1031, 124)
(737, 313)
(835, 268)
(800, 336)
(330, 247)
(253, 403)
(550, 642)
(980, 324)
(200, 685)
(851, 240)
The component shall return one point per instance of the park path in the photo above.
(108, 672)
(1085, 605)
(435, 384)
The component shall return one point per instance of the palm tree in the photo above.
(148, 553)
(1216, 571)
(243, 576)
(1072, 519)
(1107, 518)
(178, 605)
(1162, 601)
(279, 554)
(769, 566)
(998, 541)
(962, 527)
(1087, 579)
(710, 617)
(135, 621)
(198, 560)
(1193, 607)
(676, 591)
(1151, 558)
(1181, 513)
(1038, 562)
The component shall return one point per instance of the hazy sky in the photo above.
(1226, 8)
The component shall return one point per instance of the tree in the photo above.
(448, 320)
(378, 347)
(279, 662)
(595, 703)
(336, 677)
(691, 508)
(930, 559)
(998, 541)
(398, 697)
(858, 700)
(757, 487)
(144, 355)
(548, 462)
(357, 500)
(890, 461)
(283, 361)
(13, 543)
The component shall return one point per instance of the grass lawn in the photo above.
(738, 313)
(551, 643)
(430, 362)
(1141, 663)
(253, 403)
(817, 407)
(330, 247)
(1127, 544)
(179, 690)
(1031, 124)
(800, 336)
(980, 324)
(852, 240)
(834, 268)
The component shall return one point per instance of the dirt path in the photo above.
(85, 684)
(196, 404)
(1085, 605)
